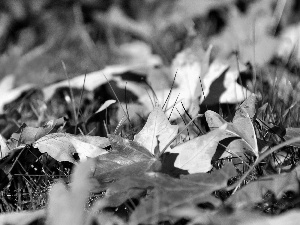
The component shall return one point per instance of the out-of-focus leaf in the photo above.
(195, 155)
(240, 217)
(289, 218)
(106, 105)
(220, 85)
(7, 83)
(63, 146)
(194, 8)
(186, 68)
(66, 206)
(8, 95)
(248, 31)
(139, 52)
(170, 193)
(196, 78)
(92, 80)
(289, 45)
(23, 217)
(132, 187)
(157, 132)
(255, 191)
(292, 132)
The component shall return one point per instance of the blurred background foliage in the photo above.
(36, 36)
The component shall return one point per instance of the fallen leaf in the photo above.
(157, 132)
(63, 146)
(254, 192)
(127, 158)
(240, 133)
(248, 34)
(28, 135)
(196, 78)
(169, 193)
(220, 85)
(195, 155)
(92, 80)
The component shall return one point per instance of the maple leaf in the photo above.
(157, 132)
(63, 146)
(195, 155)
(130, 158)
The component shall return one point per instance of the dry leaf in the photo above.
(63, 146)
(195, 155)
(157, 132)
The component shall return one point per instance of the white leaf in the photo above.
(157, 131)
(195, 155)
(63, 146)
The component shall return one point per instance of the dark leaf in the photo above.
(127, 158)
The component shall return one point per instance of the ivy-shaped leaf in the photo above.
(195, 155)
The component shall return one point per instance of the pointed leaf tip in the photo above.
(157, 131)
(195, 155)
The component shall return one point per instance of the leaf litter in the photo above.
(227, 167)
